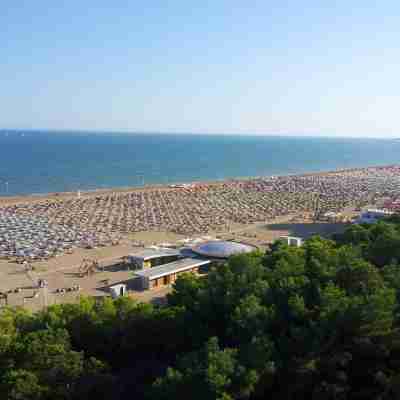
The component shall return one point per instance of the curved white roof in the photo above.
(222, 249)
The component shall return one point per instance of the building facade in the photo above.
(167, 274)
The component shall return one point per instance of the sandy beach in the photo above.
(32, 198)
(103, 217)
(56, 232)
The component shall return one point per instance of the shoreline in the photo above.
(38, 197)
(42, 227)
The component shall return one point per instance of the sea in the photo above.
(38, 162)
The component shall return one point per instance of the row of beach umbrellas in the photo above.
(51, 227)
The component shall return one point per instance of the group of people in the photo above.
(192, 209)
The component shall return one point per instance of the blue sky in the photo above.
(265, 67)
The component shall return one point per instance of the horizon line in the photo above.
(205, 133)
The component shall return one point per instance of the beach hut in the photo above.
(118, 290)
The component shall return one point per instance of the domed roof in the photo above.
(222, 249)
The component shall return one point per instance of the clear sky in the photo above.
(270, 67)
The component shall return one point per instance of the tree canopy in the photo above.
(319, 322)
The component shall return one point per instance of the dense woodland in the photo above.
(316, 322)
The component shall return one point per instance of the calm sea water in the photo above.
(40, 162)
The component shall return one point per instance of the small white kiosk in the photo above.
(118, 290)
(292, 240)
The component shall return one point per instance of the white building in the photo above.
(167, 274)
(118, 290)
(147, 258)
(292, 240)
(372, 215)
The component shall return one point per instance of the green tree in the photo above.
(22, 385)
(210, 373)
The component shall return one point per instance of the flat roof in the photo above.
(171, 268)
(148, 254)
